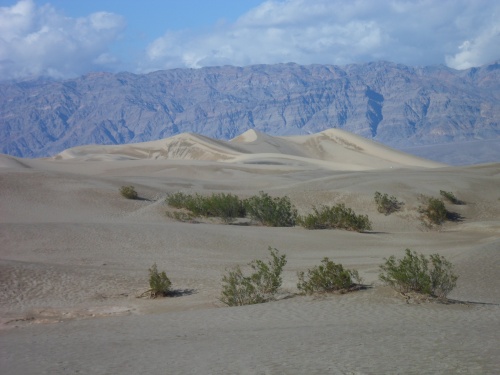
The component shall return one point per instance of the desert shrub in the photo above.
(385, 204)
(416, 273)
(338, 216)
(273, 212)
(178, 200)
(128, 192)
(261, 286)
(159, 283)
(434, 213)
(327, 277)
(226, 206)
(450, 197)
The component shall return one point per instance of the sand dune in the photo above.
(74, 255)
(332, 148)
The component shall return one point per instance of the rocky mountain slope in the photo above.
(394, 104)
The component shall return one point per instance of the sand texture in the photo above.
(75, 254)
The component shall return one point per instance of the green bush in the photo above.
(269, 211)
(434, 213)
(259, 287)
(450, 197)
(416, 273)
(178, 200)
(159, 283)
(327, 277)
(226, 206)
(385, 204)
(128, 192)
(338, 216)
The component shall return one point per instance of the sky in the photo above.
(69, 38)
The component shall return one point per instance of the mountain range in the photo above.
(401, 106)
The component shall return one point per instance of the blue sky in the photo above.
(67, 38)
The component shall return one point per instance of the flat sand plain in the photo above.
(74, 256)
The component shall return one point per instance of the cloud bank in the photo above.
(42, 41)
(460, 33)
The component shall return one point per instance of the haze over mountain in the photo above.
(400, 106)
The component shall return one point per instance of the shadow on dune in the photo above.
(454, 216)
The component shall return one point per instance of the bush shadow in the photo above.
(454, 216)
(181, 292)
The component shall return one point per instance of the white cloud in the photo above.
(484, 47)
(41, 41)
(461, 33)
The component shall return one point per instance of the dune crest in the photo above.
(332, 148)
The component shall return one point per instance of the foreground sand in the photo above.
(74, 255)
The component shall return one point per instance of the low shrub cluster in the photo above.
(269, 211)
(387, 205)
(327, 277)
(332, 217)
(259, 287)
(434, 212)
(226, 206)
(416, 273)
(413, 273)
(128, 192)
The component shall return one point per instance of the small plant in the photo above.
(450, 197)
(385, 204)
(434, 213)
(159, 283)
(259, 287)
(327, 277)
(128, 192)
(273, 212)
(416, 273)
(333, 217)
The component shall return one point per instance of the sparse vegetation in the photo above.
(385, 204)
(269, 211)
(327, 277)
(128, 192)
(416, 273)
(226, 206)
(179, 200)
(259, 287)
(265, 210)
(434, 213)
(338, 216)
(450, 197)
(159, 283)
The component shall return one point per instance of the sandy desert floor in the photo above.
(74, 255)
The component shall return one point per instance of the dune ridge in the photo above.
(341, 149)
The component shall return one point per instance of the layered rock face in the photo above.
(394, 104)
